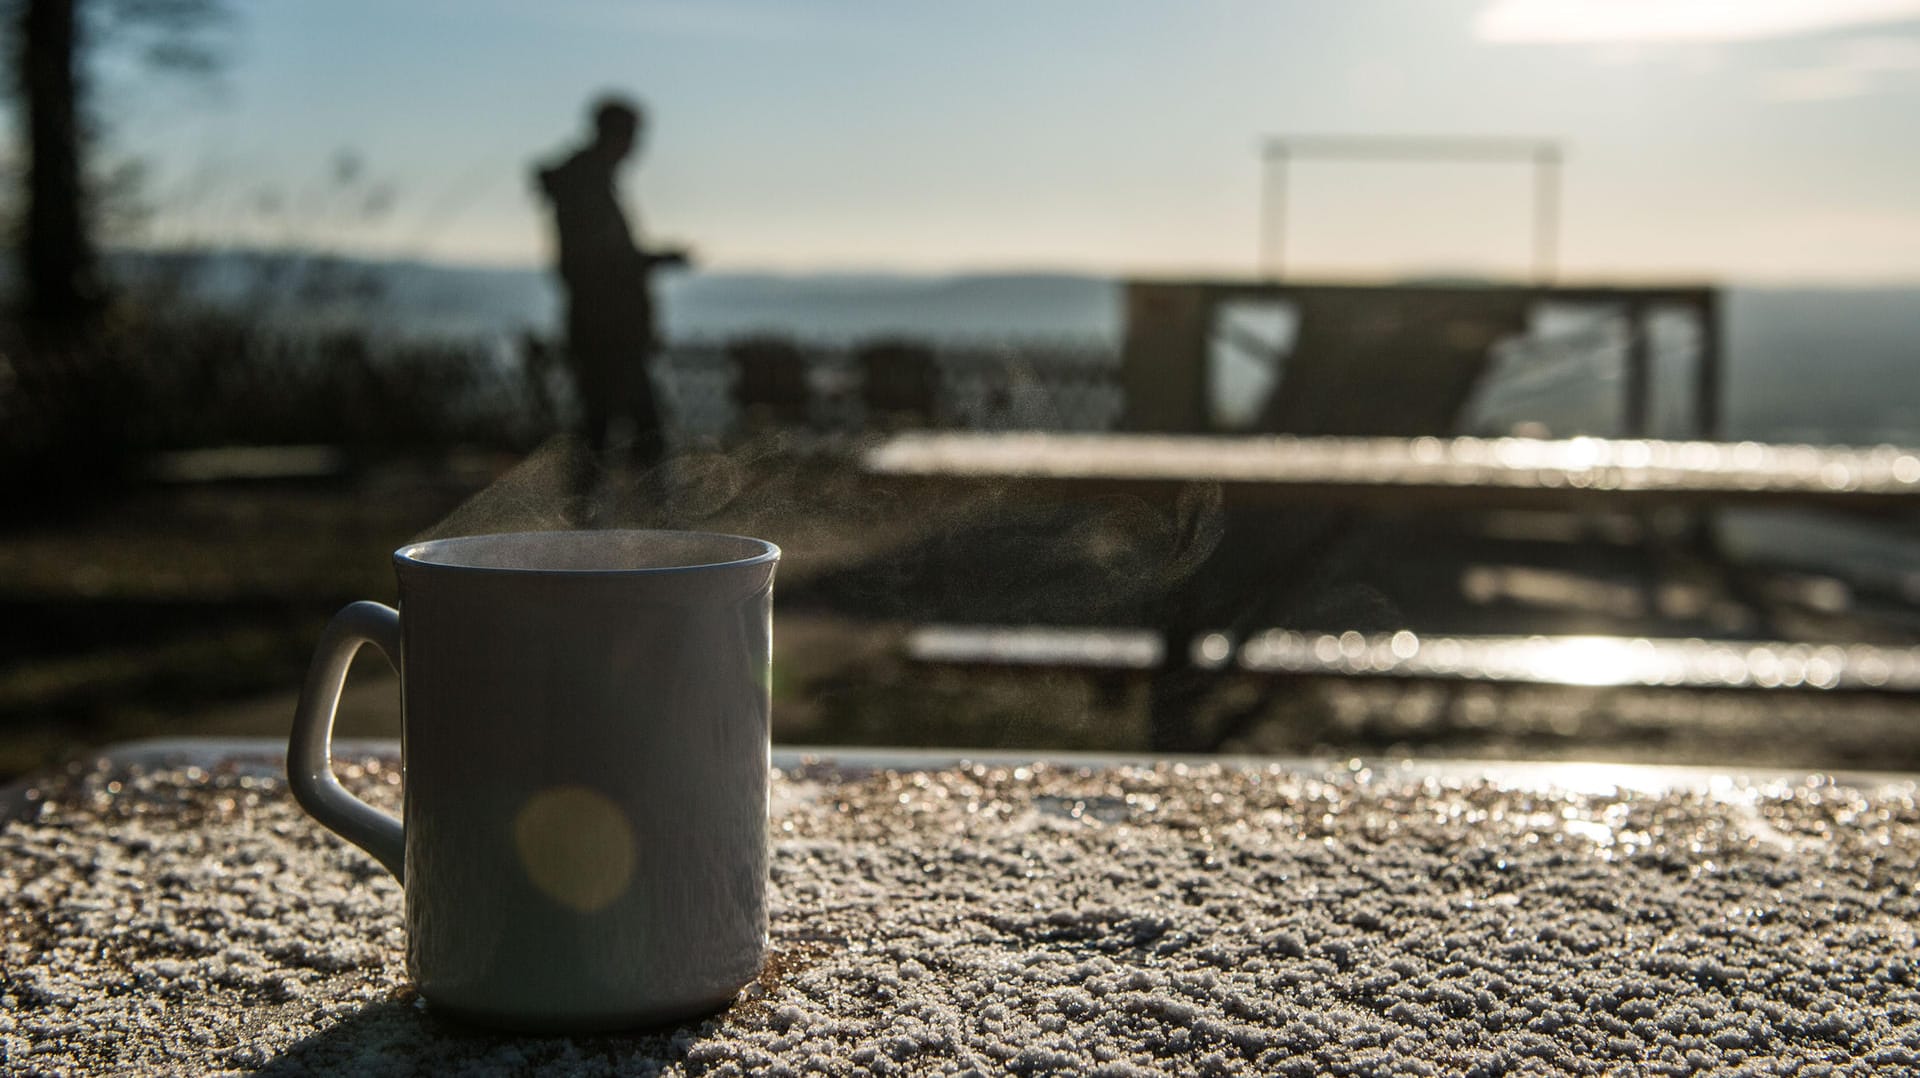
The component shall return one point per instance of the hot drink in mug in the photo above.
(583, 843)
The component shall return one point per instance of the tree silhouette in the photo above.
(62, 291)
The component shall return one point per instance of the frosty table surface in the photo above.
(168, 909)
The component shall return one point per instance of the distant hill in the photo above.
(418, 298)
(833, 307)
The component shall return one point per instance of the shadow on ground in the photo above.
(406, 1038)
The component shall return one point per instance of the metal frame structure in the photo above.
(1164, 370)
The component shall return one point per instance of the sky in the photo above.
(1746, 140)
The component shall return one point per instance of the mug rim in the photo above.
(413, 554)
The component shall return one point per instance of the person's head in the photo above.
(617, 123)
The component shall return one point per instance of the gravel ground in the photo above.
(1204, 920)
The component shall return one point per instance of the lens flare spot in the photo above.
(576, 847)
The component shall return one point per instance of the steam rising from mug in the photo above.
(867, 554)
(531, 497)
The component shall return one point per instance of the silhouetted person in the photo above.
(610, 323)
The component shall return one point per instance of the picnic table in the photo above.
(1453, 473)
(169, 909)
(1260, 482)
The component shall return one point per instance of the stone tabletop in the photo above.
(1097, 917)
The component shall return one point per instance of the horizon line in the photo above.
(1385, 276)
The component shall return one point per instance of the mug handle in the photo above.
(310, 749)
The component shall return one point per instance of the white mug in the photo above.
(585, 744)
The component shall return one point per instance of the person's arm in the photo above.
(666, 258)
(546, 178)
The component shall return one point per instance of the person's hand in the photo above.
(670, 258)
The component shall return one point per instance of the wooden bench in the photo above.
(1585, 475)
(1451, 473)
(1590, 661)
(1596, 662)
